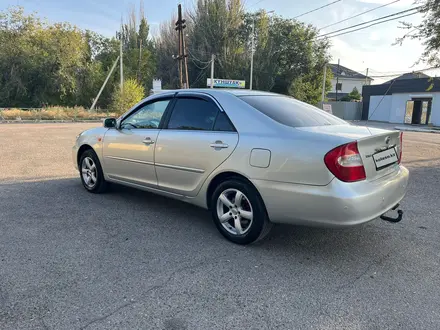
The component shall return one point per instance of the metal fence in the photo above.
(345, 110)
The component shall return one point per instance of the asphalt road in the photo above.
(132, 260)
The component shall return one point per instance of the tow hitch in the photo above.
(389, 219)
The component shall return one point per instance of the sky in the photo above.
(370, 48)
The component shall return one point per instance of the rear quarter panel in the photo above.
(296, 157)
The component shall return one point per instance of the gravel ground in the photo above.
(132, 260)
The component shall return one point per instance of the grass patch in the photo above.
(54, 113)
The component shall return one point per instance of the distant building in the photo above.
(409, 75)
(412, 98)
(347, 80)
(157, 87)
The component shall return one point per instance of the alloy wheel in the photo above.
(89, 172)
(234, 211)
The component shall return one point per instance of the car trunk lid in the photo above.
(380, 153)
(377, 147)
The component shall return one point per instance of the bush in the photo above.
(131, 94)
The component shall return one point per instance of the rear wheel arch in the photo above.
(222, 177)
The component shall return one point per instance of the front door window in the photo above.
(148, 116)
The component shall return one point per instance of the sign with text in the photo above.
(228, 83)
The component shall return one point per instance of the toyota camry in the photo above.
(252, 158)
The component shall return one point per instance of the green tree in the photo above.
(287, 58)
(214, 27)
(354, 95)
(144, 28)
(308, 88)
(102, 53)
(59, 64)
(165, 49)
(428, 30)
(139, 55)
(131, 94)
(38, 62)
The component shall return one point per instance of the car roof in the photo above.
(236, 92)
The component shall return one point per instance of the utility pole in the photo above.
(121, 64)
(212, 70)
(185, 60)
(182, 57)
(179, 59)
(366, 77)
(252, 55)
(323, 83)
(337, 80)
(103, 85)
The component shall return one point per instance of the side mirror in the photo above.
(110, 122)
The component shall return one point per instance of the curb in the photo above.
(44, 121)
(417, 130)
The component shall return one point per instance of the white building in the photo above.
(345, 79)
(413, 98)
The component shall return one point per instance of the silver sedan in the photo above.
(251, 158)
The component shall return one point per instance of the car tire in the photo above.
(90, 172)
(242, 222)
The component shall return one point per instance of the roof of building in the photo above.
(345, 72)
(409, 75)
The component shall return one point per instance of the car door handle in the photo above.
(219, 144)
(148, 141)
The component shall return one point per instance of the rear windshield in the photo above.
(291, 112)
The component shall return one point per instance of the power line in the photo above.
(374, 20)
(365, 27)
(192, 58)
(207, 65)
(364, 12)
(311, 11)
(256, 3)
(198, 77)
(404, 72)
(195, 58)
(390, 73)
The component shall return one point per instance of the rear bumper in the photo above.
(338, 204)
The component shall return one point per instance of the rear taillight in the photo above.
(345, 163)
(400, 147)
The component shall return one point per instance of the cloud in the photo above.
(401, 3)
(383, 58)
(375, 36)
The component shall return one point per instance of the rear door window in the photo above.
(193, 114)
(291, 112)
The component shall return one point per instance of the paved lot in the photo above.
(133, 260)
